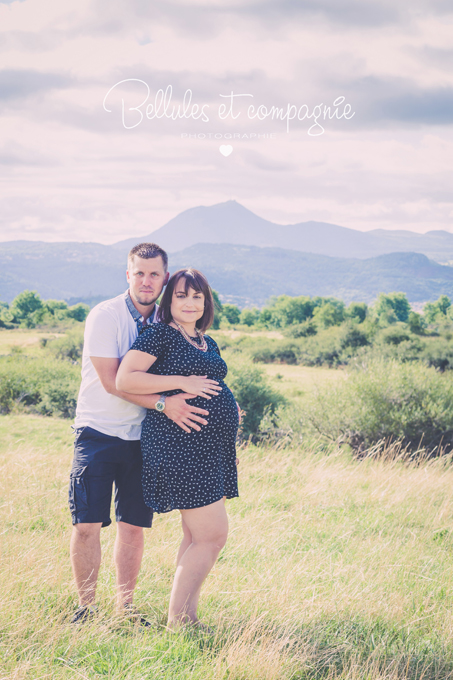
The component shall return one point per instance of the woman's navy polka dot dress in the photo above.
(188, 469)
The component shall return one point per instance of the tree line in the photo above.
(28, 310)
(307, 315)
(300, 315)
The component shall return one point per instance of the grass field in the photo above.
(334, 568)
(26, 340)
(296, 381)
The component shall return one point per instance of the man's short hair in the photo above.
(148, 251)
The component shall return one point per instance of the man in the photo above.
(107, 441)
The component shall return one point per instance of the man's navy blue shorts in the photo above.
(99, 462)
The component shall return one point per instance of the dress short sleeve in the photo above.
(213, 344)
(152, 340)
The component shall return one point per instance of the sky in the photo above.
(116, 115)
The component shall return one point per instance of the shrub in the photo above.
(44, 386)
(323, 349)
(353, 335)
(69, 347)
(394, 335)
(254, 395)
(438, 352)
(231, 313)
(386, 400)
(274, 351)
(301, 330)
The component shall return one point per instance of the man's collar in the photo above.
(135, 313)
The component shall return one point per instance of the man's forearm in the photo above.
(145, 400)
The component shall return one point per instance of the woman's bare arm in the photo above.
(132, 377)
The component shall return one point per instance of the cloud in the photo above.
(436, 56)
(259, 161)
(28, 41)
(18, 84)
(14, 154)
(205, 19)
(382, 102)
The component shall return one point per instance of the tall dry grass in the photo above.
(334, 568)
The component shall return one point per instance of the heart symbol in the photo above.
(226, 149)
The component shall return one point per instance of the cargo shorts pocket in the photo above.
(78, 492)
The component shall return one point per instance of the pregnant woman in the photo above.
(191, 471)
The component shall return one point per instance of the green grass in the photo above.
(296, 381)
(334, 568)
(23, 340)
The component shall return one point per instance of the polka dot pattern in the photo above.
(188, 469)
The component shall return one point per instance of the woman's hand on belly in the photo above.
(200, 385)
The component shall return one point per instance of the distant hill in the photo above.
(61, 270)
(246, 275)
(231, 222)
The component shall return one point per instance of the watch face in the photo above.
(160, 405)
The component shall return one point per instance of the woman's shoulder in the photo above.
(159, 327)
(212, 343)
(153, 336)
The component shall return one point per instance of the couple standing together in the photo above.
(141, 424)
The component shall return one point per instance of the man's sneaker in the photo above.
(84, 614)
(133, 614)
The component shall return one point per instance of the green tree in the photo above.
(392, 307)
(79, 312)
(438, 310)
(284, 310)
(231, 313)
(416, 323)
(5, 314)
(331, 313)
(249, 317)
(56, 308)
(357, 311)
(217, 310)
(27, 309)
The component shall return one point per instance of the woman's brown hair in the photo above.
(192, 279)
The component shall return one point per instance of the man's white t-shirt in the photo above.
(110, 331)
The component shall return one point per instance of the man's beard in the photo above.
(146, 303)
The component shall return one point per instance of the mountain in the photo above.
(230, 222)
(245, 275)
(61, 270)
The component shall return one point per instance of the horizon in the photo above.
(126, 237)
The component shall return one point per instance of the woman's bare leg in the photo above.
(208, 527)
(186, 541)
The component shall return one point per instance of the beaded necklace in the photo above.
(203, 346)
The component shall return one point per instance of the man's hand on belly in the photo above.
(183, 414)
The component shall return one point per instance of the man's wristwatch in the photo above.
(160, 404)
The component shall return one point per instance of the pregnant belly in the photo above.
(222, 406)
(222, 410)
